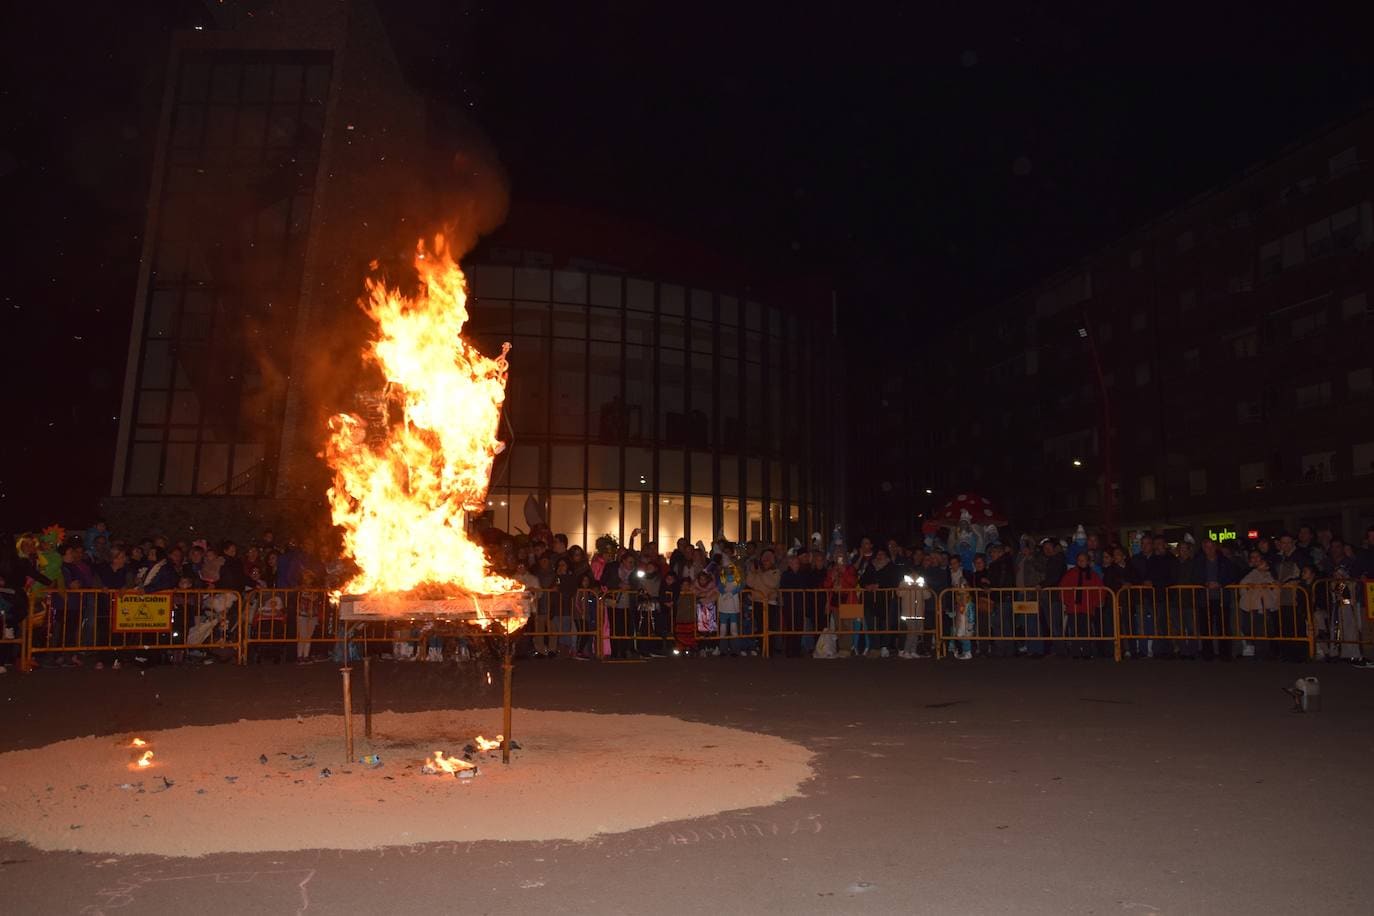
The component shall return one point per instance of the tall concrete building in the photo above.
(1235, 389)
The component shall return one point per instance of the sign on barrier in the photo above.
(136, 613)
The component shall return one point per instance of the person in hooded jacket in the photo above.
(1083, 603)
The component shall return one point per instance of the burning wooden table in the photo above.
(500, 616)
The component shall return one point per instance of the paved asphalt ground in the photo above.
(992, 786)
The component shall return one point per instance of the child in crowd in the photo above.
(1259, 603)
(308, 606)
(708, 625)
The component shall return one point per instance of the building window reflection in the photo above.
(638, 404)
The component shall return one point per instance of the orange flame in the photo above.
(138, 742)
(146, 760)
(488, 744)
(443, 764)
(402, 503)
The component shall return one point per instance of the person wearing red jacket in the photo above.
(1082, 606)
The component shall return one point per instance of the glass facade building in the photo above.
(634, 401)
(639, 403)
(211, 356)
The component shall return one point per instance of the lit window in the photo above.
(1318, 467)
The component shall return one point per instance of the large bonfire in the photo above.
(401, 495)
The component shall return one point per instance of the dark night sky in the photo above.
(869, 143)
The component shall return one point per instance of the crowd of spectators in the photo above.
(869, 599)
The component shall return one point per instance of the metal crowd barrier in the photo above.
(278, 619)
(68, 623)
(1342, 618)
(1018, 621)
(1329, 617)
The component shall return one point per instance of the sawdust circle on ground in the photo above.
(575, 775)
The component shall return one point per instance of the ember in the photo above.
(138, 742)
(441, 764)
(146, 760)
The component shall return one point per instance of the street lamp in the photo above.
(1108, 493)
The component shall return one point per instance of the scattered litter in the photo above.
(75, 827)
(325, 774)
(371, 761)
(300, 718)
(231, 779)
(302, 756)
(514, 745)
(200, 791)
(126, 785)
(83, 786)
(262, 758)
(467, 774)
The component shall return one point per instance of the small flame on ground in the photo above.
(488, 744)
(146, 760)
(488, 677)
(441, 764)
(139, 742)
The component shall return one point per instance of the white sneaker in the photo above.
(963, 656)
(4, 670)
(1248, 650)
(885, 653)
(115, 666)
